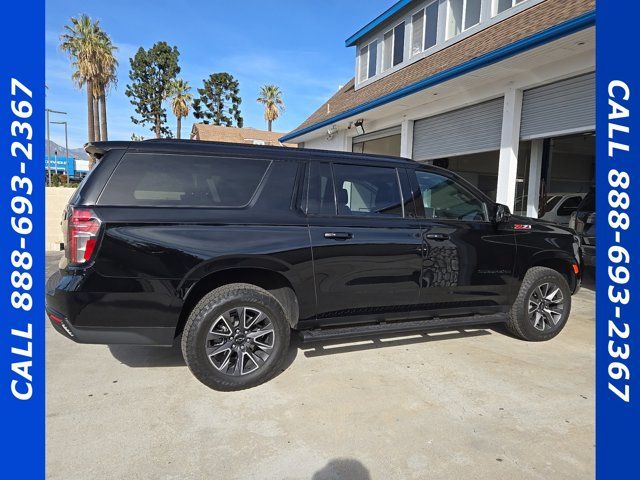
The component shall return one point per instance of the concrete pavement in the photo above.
(474, 403)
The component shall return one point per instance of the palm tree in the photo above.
(94, 62)
(180, 100)
(107, 76)
(271, 98)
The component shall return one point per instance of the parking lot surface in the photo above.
(472, 403)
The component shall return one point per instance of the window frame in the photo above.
(252, 200)
(404, 43)
(362, 57)
(422, 12)
(423, 46)
(368, 61)
(375, 58)
(496, 3)
(420, 204)
(488, 18)
(392, 30)
(369, 215)
(463, 18)
(388, 45)
(303, 204)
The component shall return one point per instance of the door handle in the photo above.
(437, 236)
(338, 235)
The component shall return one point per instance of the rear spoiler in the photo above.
(98, 149)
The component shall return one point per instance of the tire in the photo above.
(540, 323)
(220, 352)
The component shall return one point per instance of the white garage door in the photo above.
(468, 130)
(567, 106)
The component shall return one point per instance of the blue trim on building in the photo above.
(554, 33)
(379, 20)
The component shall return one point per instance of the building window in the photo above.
(431, 26)
(393, 47)
(368, 61)
(502, 5)
(373, 58)
(417, 32)
(387, 50)
(461, 15)
(398, 44)
(424, 29)
(362, 63)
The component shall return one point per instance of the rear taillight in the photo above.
(83, 227)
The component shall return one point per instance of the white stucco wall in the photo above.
(56, 199)
(339, 142)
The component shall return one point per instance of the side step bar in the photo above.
(359, 331)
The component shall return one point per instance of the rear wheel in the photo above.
(542, 307)
(236, 337)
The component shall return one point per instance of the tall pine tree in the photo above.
(219, 101)
(152, 73)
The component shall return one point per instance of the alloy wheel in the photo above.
(240, 341)
(546, 306)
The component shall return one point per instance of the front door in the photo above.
(366, 242)
(468, 260)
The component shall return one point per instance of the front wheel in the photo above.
(542, 307)
(236, 337)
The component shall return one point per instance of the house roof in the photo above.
(216, 133)
(534, 26)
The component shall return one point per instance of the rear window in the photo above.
(183, 180)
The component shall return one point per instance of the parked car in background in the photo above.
(558, 207)
(228, 248)
(583, 221)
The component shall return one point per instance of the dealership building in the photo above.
(501, 92)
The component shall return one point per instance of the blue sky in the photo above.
(298, 45)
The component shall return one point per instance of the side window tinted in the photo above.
(444, 198)
(183, 180)
(318, 190)
(569, 206)
(362, 190)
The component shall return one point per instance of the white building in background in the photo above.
(500, 91)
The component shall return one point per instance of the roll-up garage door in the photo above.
(567, 106)
(387, 132)
(468, 130)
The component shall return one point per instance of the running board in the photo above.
(358, 331)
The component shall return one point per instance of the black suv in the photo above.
(230, 247)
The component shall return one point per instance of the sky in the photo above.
(298, 45)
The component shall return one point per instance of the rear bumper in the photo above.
(161, 336)
(65, 304)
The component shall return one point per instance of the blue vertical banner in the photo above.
(22, 383)
(618, 237)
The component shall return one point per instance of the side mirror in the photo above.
(502, 213)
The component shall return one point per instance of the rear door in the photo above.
(366, 242)
(468, 261)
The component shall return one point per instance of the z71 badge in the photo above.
(521, 226)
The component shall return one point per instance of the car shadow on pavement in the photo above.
(370, 342)
(342, 469)
(137, 356)
(145, 356)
